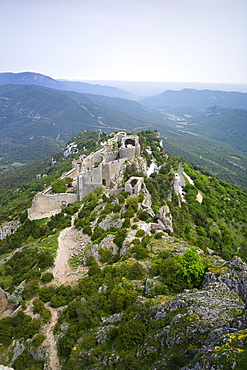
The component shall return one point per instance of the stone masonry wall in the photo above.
(43, 204)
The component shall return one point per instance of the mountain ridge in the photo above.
(32, 78)
(133, 295)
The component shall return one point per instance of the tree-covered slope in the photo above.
(172, 101)
(225, 125)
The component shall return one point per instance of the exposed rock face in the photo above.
(18, 349)
(9, 228)
(203, 311)
(234, 277)
(165, 217)
(111, 220)
(106, 243)
(38, 354)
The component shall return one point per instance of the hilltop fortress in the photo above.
(100, 168)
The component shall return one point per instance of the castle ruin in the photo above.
(100, 168)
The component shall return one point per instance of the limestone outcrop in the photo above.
(165, 218)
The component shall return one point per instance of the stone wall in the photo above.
(134, 185)
(44, 205)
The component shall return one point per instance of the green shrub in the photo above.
(136, 272)
(59, 186)
(143, 215)
(37, 340)
(121, 198)
(47, 277)
(140, 252)
(159, 235)
(87, 230)
(190, 266)
(91, 261)
(94, 270)
(120, 236)
(132, 333)
(45, 314)
(38, 305)
(58, 301)
(126, 222)
(46, 293)
(105, 255)
(140, 233)
(26, 361)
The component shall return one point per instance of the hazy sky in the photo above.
(134, 40)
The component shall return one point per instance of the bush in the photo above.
(59, 186)
(132, 333)
(190, 266)
(58, 301)
(140, 252)
(45, 314)
(47, 277)
(37, 340)
(94, 270)
(91, 261)
(38, 305)
(140, 233)
(159, 235)
(105, 255)
(136, 271)
(46, 293)
(87, 230)
(143, 215)
(120, 236)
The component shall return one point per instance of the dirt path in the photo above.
(52, 362)
(69, 243)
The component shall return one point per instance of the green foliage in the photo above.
(120, 298)
(120, 236)
(136, 271)
(105, 255)
(38, 340)
(46, 293)
(190, 266)
(47, 277)
(19, 326)
(26, 361)
(59, 186)
(140, 233)
(140, 252)
(38, 305)
(132, 333)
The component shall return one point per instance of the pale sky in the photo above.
(132, 40)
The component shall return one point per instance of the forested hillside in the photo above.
(196, 100)
(153, 281)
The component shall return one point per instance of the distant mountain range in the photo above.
(187, 101)
(31, 78)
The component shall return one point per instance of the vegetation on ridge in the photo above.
(141, 304)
